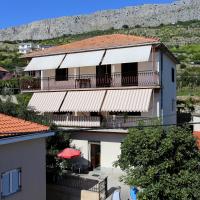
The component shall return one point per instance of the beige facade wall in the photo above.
(110, 152)
(110, 146)
(30, 157)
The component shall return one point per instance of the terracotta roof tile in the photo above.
(98, 42)
(10, 126)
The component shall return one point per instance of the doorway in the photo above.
(103, 76)
(130, 74)
(95, 154)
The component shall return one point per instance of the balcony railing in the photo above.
(76, 121)
(99, 122)
(145, 78)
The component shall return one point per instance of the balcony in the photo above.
(111, 122)
(143, 78)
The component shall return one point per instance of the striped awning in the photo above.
(45, 62)
(133, 100)
(127, 55)
(83, 101)
(83, 59)
(46, 101)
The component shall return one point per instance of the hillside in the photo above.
(182, 38)
(146, 16)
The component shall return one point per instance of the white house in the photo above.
(99, 87)
(28, 47)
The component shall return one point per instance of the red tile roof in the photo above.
(3, 70)
(197, 136)
(98, 42)
(10, 126)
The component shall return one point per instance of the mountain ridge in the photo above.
(131, 16)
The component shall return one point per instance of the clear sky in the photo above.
(17, 12)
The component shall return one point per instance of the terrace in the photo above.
(142, 78)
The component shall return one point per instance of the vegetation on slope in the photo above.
(182, 38)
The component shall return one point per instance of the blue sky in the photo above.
(16, 12)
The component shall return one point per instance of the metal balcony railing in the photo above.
(99, 122)
(144, 78)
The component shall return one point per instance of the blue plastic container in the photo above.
(133, 193)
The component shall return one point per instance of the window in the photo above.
(10, 182)
(61, 74)
(173, 75)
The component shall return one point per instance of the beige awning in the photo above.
(83, 59)
(127, 55)
(46, 101)
(45, 62)
(133, 100)
(83, 101)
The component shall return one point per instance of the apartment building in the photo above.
(99, 87)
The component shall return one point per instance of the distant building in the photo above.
(25, 48)
(22, 155)
(4, 74)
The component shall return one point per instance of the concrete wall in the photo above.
(55, 192)
(196, 120)
(110, 145)
(169, 91)
(30, 157)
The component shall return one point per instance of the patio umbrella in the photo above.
(69, 153)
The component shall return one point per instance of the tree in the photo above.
(165, 163)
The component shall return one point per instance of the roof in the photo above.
(12, 126)
(3, 70)
(197, 136)
(94, 43)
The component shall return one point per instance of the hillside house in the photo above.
(23, 159)
(99, 87)
(5, 74)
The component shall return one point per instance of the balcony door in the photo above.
(95, 154)
(129, 74)
(103, 76)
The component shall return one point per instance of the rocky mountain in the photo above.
(146, 16)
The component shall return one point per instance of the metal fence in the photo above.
(80, 183)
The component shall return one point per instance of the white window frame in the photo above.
(11, 186)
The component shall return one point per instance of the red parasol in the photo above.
(69, 153)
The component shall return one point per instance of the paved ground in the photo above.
(113, 181)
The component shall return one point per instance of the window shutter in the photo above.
(5, 184)
(15, 180)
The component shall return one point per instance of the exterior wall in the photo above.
(154, 109)
(30, 157)
(196, 121)
(110, 146)
(109, 152)
(169, 91)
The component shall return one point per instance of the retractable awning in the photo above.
(46, 101)
(127, 55)
(45, 62)
(83, 101)
(133, 100)
(83, 59)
